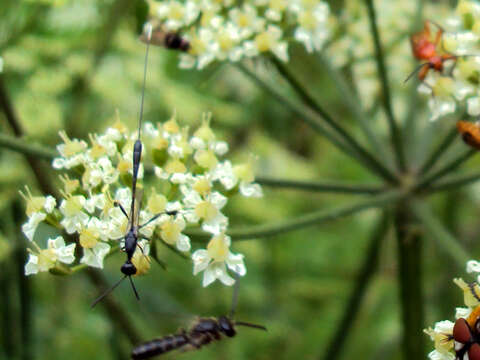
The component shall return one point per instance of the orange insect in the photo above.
(425, 47)
(470, 132)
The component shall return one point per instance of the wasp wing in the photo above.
(137, 208)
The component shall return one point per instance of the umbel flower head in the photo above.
(442, 332)
(458, 85)
(227, 30)
(193, 182)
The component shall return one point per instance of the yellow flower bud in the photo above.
(175, 166)
(88, 238)
(171, 125)
(141, 262)
(170, 232)
(206, 158)
(206, 210)
(156, 203)
(202, 186)
(204, 132)
(218, 248)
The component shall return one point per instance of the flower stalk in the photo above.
(366, 157)
(395, 134)
(353, 305)
(313, 218)
(409, 243)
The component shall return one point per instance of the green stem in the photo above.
(410, 119)
(300, 111)
(367, 157)
(449, 167)
(439, 233)
(410, 279)
(8, 323)
(333, 187)
(454, 182)
(27, 148)
(359, 289)
(310, 119)
(352, 102)
(439, 150)
(313, 218)
(396, 136)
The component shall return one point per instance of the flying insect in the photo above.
(203, 332)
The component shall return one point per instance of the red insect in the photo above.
(425, 48)
(466, 339)
(470, 132)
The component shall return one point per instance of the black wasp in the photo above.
(168, 39)
(203, 332)
(132, 235)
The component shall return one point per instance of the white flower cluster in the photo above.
(355, 48)
(226, 30)
(442, 333)
(458, 85)
(193, 181)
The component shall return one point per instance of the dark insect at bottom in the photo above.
(203, 332)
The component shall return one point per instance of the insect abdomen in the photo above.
(159, 346)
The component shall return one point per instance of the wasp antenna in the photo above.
(255, 326)
(148, 33)
(440, 27)
(134, 289)
(235, 295)
(417, 69)
(108, 291)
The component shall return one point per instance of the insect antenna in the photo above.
(236, 289)
(133, 287)
(417, 69)
(108, 291)
(255, 326)
(436, 24)
(235, 303)
(137, 147)
(148, 32)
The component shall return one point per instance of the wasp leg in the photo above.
(116, 203)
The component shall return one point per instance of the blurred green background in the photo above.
(70, 65)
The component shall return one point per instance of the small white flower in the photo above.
(74, 217)
(207, 209)
(247, 20)
(94, 256)
(94, 202)
(30, 226)
(462, 312)
(44, 260)
(269, 40)
(171, 233)
(437, 355)
(312, 30)
(473, 106)
(72, 152)
(215, 260)
(473, 266)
